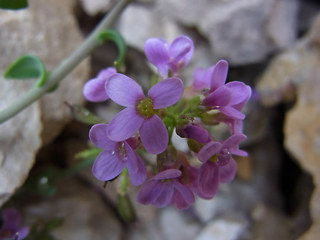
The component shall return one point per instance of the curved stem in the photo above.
(66, 66)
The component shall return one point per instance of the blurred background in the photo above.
(272, 45)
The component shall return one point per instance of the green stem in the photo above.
(124, 181)
(66, 65)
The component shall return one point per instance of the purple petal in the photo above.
(98, 136)
(107, 166)
(240, 92)
(136, 168)
(184, 191)
(232, 113)
(220, 97)
(208, 150)
(197, 133)
(11, 218)
(219, 75)
(181, 50)
(94, 90)
(124, 125)
(236, 126)
(154, 135)
(179, 201)
(23, 232)
(239, 152)
(234, 140)
(209, 179)
(107, 73)
(124, 90)
(157, 53)
(167, 174)
(201, 78)
(166, 93)
(164, 195)
(148, 191)
(228, 171)
(132, 162)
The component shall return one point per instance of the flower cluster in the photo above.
(148, 122)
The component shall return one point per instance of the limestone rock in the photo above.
(138, 23)
(302, 129)
(92, 8)
(222, 229)
(177, 226)
(19, 142)
(47, 30)
(243, 31)
(85, 214)
(288, 71)
(279, 81)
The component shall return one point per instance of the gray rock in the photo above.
(85, 215)
(270, 223)
(302, 130)
(222, 229)
(92, 8)
(242, 31)
(138, 23)
(47, 30)
(176, 225)
(236, 29)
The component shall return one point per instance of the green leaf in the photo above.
(27, 67)
(13, 4)
(119, 41)
(83, 115)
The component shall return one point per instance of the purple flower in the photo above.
(169, 58)
(227, 98)
(195, 132)
(140, 113)
(164, 188)
(11, 225)
(202, 78)
(94, 90)
(115, 157)
(218, 164)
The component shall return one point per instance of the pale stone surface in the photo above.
(270, 223)
(176, 225)
(19, 142)
(47, 30)
(302, 129)
(278, 83)
(138, 23)
(243, 31)
(222, 229)
(85, 215)
(92, 8)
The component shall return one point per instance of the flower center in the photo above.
(224, 157)
(214, 158)
(121, 151)
(145, 108)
